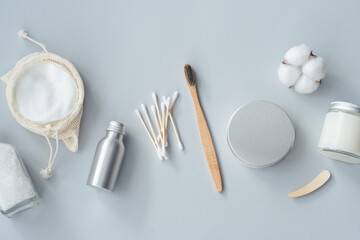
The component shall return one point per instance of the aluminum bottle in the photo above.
(108, 158)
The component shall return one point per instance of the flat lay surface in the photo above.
(125, 50)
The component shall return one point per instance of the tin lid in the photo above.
(260, 134)
(345, 106)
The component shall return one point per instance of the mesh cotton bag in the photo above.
(45, 94)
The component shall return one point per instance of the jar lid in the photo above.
(260, 134)
(345, 106)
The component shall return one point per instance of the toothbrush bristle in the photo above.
(189, 75)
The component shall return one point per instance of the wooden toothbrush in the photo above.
(205, 135)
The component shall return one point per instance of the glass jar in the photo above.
(17, 192)
(340, 137)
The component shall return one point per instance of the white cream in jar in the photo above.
(340, 137)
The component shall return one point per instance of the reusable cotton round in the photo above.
(45, 92)
(260, 134)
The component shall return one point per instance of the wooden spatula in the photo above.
(316, 183)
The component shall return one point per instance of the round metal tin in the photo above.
(260, 134)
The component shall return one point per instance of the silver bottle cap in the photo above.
(116, 127)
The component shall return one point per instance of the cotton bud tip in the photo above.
(164, 153)
(175, 96)
(180, 145)
(154, 96)
(22, 33)
(159, 155)
(137, 112)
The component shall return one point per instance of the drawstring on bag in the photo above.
(46, 173)
(25, 35)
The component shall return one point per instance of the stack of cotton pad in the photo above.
(260, 134)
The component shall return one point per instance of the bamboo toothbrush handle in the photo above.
(207, 142)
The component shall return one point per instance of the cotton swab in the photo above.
(168, 114)
(148, 132)
(180, 145)
(167, 104)
(161, 111)
(163, 121)
(175, 96)
(163, 149)
(150, 124)
(157, 106)
(157, 122)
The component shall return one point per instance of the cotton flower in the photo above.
(289, 74)
(305, 85)
(297, 55)
(314, 68)
(301, 69)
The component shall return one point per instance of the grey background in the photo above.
(126, 49)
